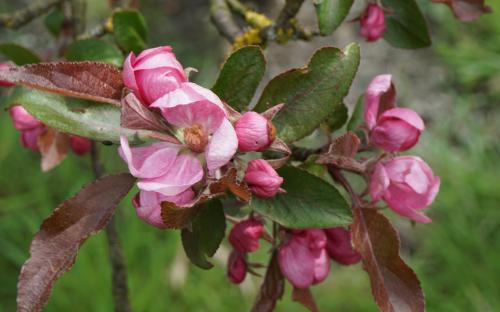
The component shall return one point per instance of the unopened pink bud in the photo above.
(29, 138)
(262, 179)
(22, 119)
(339, 246)
(79, 145)
(4, 66)
(255, 132)
(372, 22)
(236, 267)
(245, 235)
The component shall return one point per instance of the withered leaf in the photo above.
(341, 153)
(305, 297)
(54, 248)
(94, 81)
(176, 217)
(272, 287)
(135, 115)
(53, 146)
(279, 146)
(230, 182)
(271, 112)
(395, 286)
(467, 10)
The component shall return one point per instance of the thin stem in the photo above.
(23, 16)
(288, 12)
(339, 177)
(118, 267)
(222, 18)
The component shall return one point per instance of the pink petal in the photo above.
(379, 96)
(29, 138)
(221, 147)
(148, 161)
(394, 135)
(321, 265)
(379, 182)
(184, 173)
(297, 263)
(406, 114)
(161, 57)
(128, 72)
(203, 113)
(417, 179)
(154, 83)
(22, 119)
(187, 93)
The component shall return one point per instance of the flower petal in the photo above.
(128, 75)
(379, 182)
(157, 82)
(408, 115)
(297, 263)
(203, 113)
(187, 93)
(379, 96)
(221, 147)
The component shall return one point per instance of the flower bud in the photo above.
(339, 246)
(236, 267)
(262, 179)
(255, 132)
(372, 22)
(153, 73)
(397, 129)
(245, 235)
(22, 119)
(4, 66)
(29, 138)
(407, 184)
(79, 145)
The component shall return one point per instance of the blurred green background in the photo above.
(457, 257)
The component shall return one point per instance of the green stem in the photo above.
(23, 16)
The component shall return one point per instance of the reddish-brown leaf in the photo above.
(305, 297)
(87, 80)
(467, 10)
(137, 116)
(395, 286)
(54, 146)
(341, 153)
(230, 182)
(176, 217)
(54, 248)
(272, 287)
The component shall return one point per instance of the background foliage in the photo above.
(456, 256)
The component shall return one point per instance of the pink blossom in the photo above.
(255, 132)
(148, 205)
(379, 97)
(372, 22)
(153, 73)
(262, 179)
(407, 184)
(236, 267)
(79, 145)
(339, 246)
(303, 258)
(245, 235)
(3, 83)
(22, 119)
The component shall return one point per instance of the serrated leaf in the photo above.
(54, 248)
(310, 94)
(319, 205)
(205, 235)
(331, 13)
(75, 116)
(405, 26)
(18, 54)
(94, 50)
(240, 76)
(130, 30)
(54, 21)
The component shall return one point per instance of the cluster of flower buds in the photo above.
(204, 135)
(304, 257)
(406, 183)
(372, 22)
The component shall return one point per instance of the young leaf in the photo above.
(331, 13)
(18, 54)
(207, 232)
(54, 146)
(395, 286)
(87, 80)
(54, 248)
(405, 25)
(54, 21)
(130, 30)
(240, 77)
(69, 115)
(309, 202)
(94, 50)
(310, 94)
(272, 287)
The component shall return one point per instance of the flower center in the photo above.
(195, 138)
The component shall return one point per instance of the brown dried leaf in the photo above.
(137, 116)
(87, 80)
(55, 246)
(54, 146)
(280, 146)
(230, 182)
(232, 114)
(305, 297)
(341, 153)
(467, 10)
(176, 217)
(272, 111)
(395, 286)
(272, 287)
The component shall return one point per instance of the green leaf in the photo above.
(130, 30)
(54, 21)
(357, 115)
(331, 13)
(207, 232)
(18, 54)
(405, 25)
(240, 76)
(337, 118)
(319, 205)
(310, 94)
(93, 120)
(94, 50)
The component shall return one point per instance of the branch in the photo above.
(22, 17)
(119, 270)
(78, 11)
(223, 20)
(98, 31)
(288, 12)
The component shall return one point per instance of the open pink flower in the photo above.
(339, 246)
(262, 179)
(153, 73)
(372, 22)
(303, 258)
(148, 205)
(406, 184)
(245, 235)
